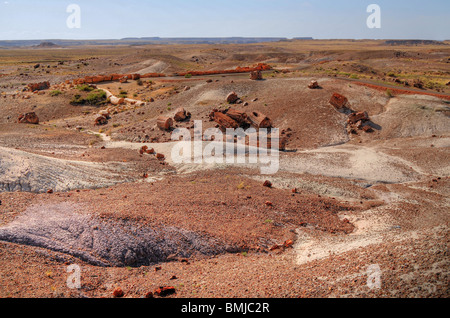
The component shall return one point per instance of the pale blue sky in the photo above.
(321, 19)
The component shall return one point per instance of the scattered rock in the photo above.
(101, 120)
(118, 292)
(259, 120)
(165, 291)
(338, 101)
(39, 86)
(225, 121)
(353, 118)
(232, 98)
(104, 113)
(256, 75)
(313, 85)
(288, 243)
(149, 295)
(267, 183)
(180, 114)
(29, 118)
(164, 123)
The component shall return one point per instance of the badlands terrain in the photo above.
(87, 177)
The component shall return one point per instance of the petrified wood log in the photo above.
(164, 123)
(225, 121)
(259, 120)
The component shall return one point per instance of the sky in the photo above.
(320, 19)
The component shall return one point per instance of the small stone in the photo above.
(267, 183)
(118, 292)
(165, 291)
(149, 295)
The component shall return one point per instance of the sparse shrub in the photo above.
(354, 76)
(140, 82)
(85, 88)
(97, 97)
(188, 75)
(55, 93)
(389, 93)
(123, 94)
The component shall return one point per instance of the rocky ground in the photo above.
(342, 203)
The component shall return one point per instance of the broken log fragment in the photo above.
(164, 123)
(28, 118)
(353, 118)
(237, 115)
(338, 101)
(180, 114)
(259, 120)
(225, 121)
(256, 75)
(313, 84)
(100, 120)
(232, 98)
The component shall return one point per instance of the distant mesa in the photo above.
(47, 45)
(414, 42)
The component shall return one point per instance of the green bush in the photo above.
(97, 97)
(188, 75)
(85, 88)
(55, 93)
(391, 74)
